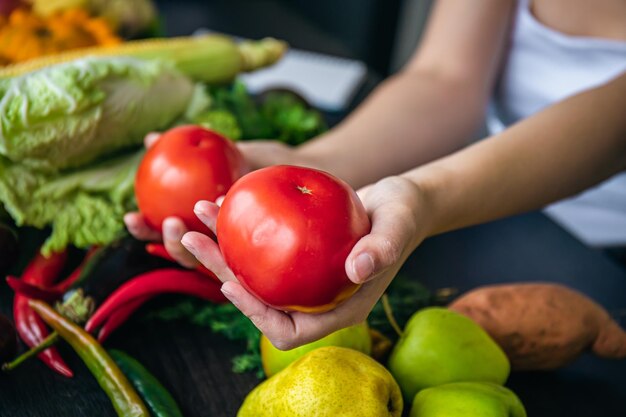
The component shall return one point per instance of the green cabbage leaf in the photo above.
(83, 207)
(68, 115)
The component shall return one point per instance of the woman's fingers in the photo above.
(284, 330)
(392, 205)
(393, 234)
(173, 231)
(276, 325)
(290, 330)
(137, 227)
(382, 248)
(207, 213)
(205, 250)
(203, 247)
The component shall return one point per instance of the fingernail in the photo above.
(186, 242)
(230, 296)
(363, 266)
(201, 208)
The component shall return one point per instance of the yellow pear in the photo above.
(327, 382)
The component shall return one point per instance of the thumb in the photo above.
(388, 243)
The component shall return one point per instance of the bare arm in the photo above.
(560, 151)
(431, 108)
(556, 153)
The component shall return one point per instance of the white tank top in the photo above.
(544, 66)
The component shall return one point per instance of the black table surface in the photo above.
(195, 366)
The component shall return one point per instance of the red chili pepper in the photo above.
(119, 317)
(157, 282)
(44, 270)
(29, 325)
(31, 290)
(45, 291)
(158, 249)
(64, 285)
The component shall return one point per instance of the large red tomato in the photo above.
(187, 164)
(286, 231)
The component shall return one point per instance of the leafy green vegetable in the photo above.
(70, 114)
(56, 126)
(200, 111)
(280, 115)
(84, 207)
(292, 120)
(236, 100)
(221, 121)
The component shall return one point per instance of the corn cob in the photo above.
(209, 58)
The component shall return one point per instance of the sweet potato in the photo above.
(542, 325)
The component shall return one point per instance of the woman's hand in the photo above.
(258, 154)
(393, 205)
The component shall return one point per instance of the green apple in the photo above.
(439, 346)
(355, 337)
(467, 399)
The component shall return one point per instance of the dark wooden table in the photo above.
(195, 364)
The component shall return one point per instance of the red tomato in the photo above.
(187, 164)
(286, 231)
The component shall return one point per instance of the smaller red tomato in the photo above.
(286, 232)
(187, 164)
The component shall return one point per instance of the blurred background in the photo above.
(380, 33)
(339, 49)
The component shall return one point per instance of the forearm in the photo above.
(413, 118)
(430, 109)
(556, 153)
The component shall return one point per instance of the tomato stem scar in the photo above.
(304, 190)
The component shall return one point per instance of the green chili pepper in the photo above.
(121, 393)
(156, 397)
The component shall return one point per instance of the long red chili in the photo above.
(167, 280)
(45, 292)
(31, 328)
(21, 287)
(64, 285)
(119, 317)
(158, 249)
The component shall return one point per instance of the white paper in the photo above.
(325, 81)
